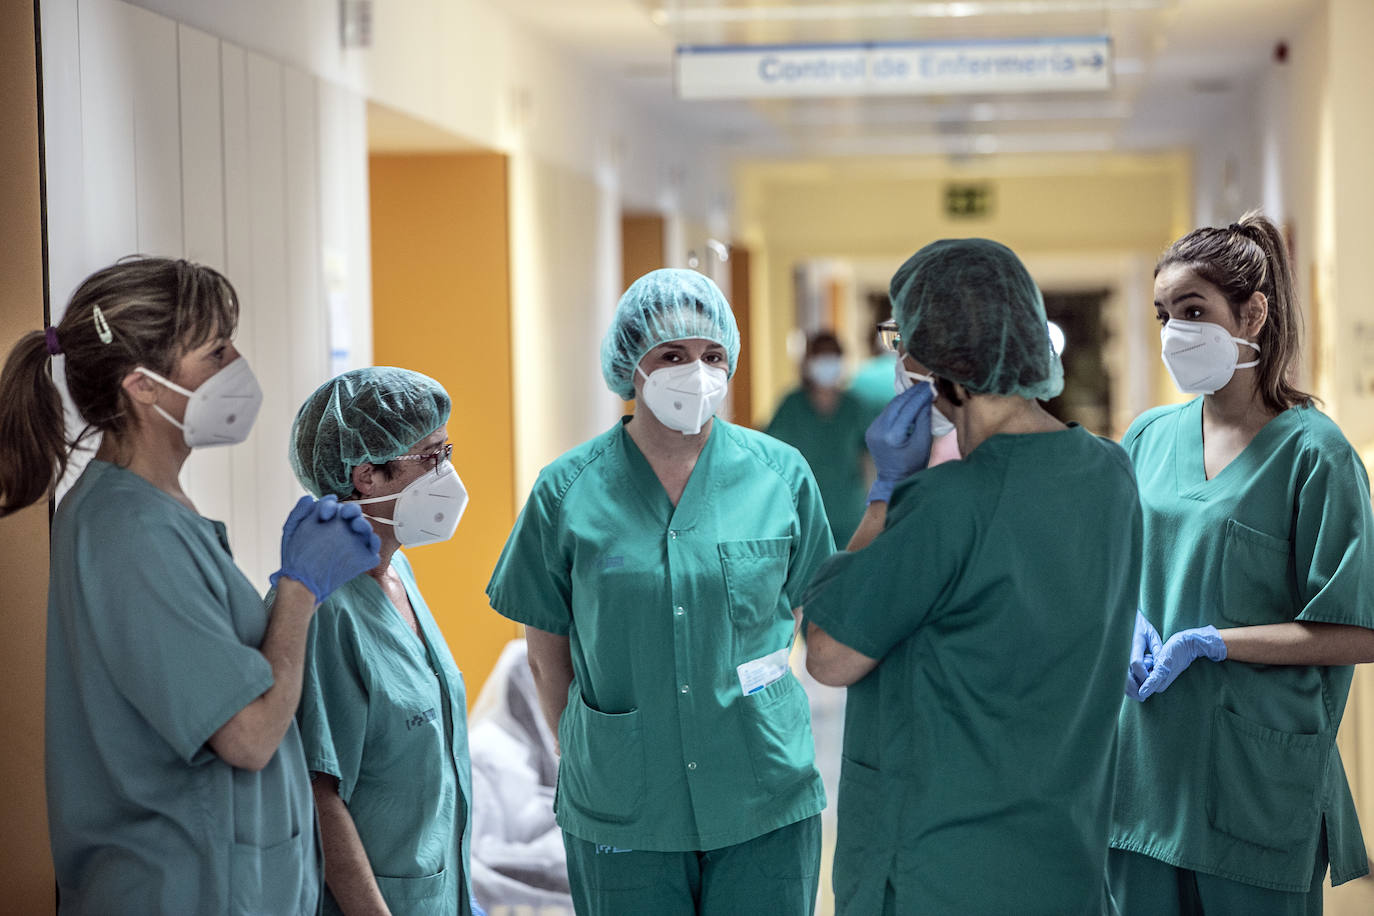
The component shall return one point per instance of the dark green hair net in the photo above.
(664, 305)
(366, 415)
(969, 311)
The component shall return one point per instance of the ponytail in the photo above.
(33, 442)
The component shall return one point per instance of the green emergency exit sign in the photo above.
(968, 201)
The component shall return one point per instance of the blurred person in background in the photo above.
(826, 424)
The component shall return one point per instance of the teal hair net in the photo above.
(969, 311)
(366, 415)
(664, 305)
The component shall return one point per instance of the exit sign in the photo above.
(968, 201)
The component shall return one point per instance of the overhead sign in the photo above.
(894, 68)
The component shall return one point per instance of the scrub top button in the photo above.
(684, 688)
(692, 765)
(673, 535)
(680, 610)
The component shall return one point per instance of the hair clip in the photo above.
(102, 327)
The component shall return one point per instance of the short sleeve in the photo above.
(160, 613)
(872, 599)
(1334, 541)
(532, 582)
(333, 713)
(814, 541)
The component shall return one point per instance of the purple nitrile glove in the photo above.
(325, 543)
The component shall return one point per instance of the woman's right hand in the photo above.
(325, 543)
(1145, 647)
(899, 440)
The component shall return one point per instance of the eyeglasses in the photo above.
(436, 458)
(890, 335)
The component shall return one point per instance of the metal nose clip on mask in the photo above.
(428, 509)
(221, 411)
(1201, 356)
(685, 397)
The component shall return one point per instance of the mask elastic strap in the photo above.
(1254, 362)
(168, 383)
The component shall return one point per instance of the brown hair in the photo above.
(1243, 258)
(140, 311)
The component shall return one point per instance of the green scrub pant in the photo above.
(775, 873)
(1143, 886)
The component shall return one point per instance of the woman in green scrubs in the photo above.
(980, 618)
(826, 423)
(383, 711)
(1255, 603)
(655, 568)
(176, 780)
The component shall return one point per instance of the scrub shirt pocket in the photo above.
(865, 841)
(1255, 577)
(778, 723)
(602, 770)
(755, 575)
(264, 879)
(1265, 783)
(421, 896)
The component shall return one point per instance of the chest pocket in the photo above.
(1256, 582)
(755, 574)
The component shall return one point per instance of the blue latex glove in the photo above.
(1180, 651)
(476, 909)
(1145, 647)
(324, 543)
(899, 440)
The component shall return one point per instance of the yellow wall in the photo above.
(441, 306)
(888, 208)
(25, 867)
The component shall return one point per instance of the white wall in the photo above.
(166, 140)
(579, 150)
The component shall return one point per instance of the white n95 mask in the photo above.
(1201, 356)
(685, 397)
(428, 509)
(221, 411)
(940, 425)
(825, 371)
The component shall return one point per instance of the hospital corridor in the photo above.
(673, 457)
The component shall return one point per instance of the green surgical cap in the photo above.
(664, 305)
(367, 415)
(969, 311)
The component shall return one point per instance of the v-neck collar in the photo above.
(421, 640)
(650, 488)
(1190, 461)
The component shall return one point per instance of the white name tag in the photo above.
(759, 673)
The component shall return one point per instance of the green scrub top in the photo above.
(681, 732)
(874, 383)
(1232, 770)
(833, 445)
(152, 636)
(978, 755)
(385, 712)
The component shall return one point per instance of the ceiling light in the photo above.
(948, 9)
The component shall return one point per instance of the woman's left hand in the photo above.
(1180, 651)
